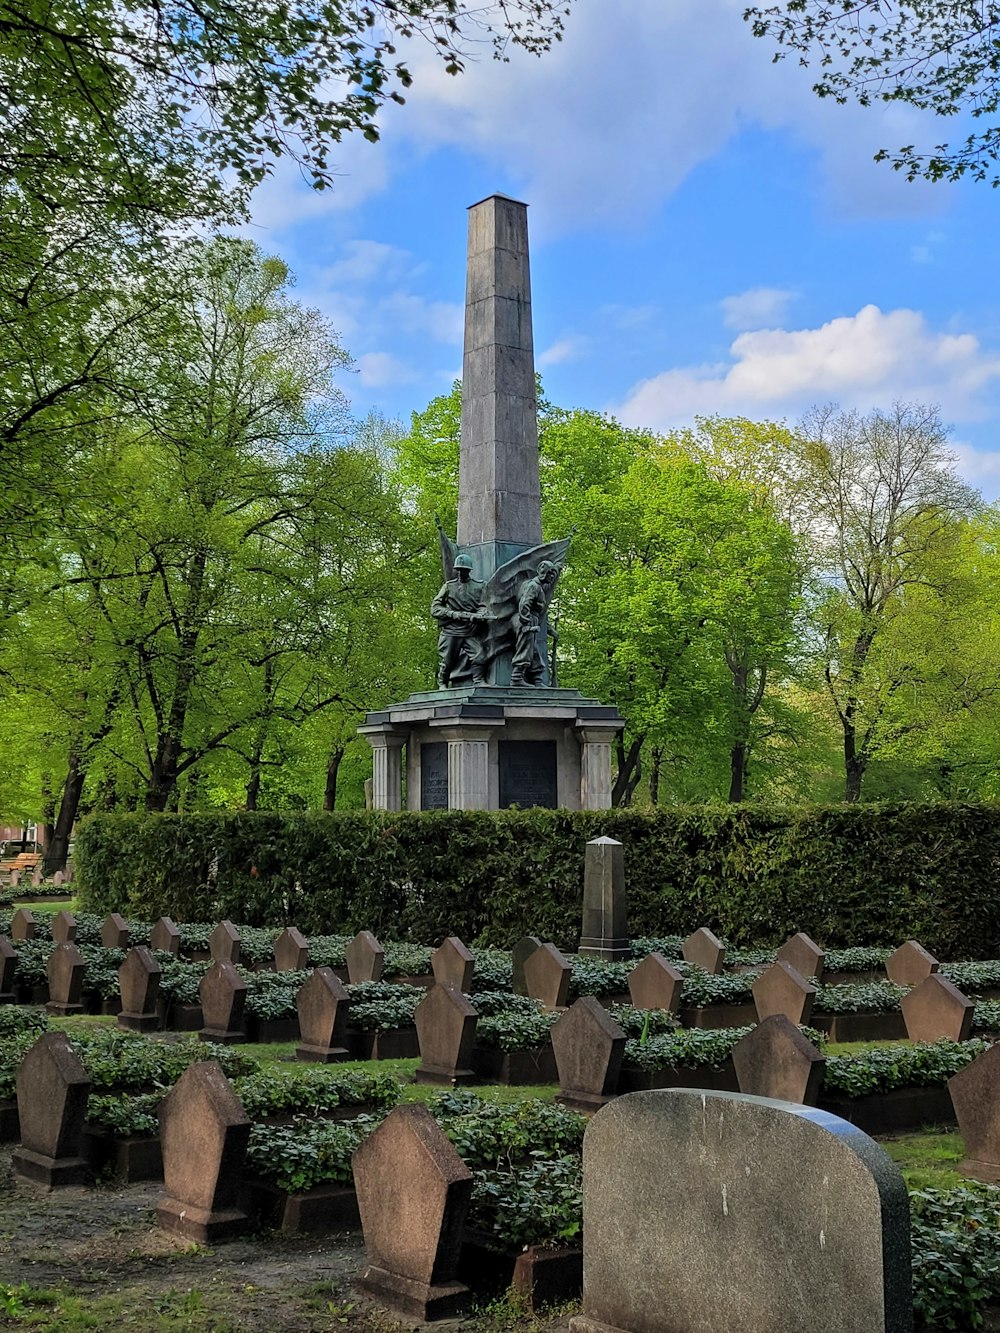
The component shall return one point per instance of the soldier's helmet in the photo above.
(463, 562)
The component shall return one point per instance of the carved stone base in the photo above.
(988, 1172)
(200, 1224)
(418, 1300)
(322, 1055)
(139, 1022)
(49, 1172)
(449, 1078)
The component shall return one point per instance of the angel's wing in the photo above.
(501, 592)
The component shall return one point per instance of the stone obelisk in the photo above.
(495, 733)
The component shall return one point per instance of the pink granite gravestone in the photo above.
(65, 971)
(223, 995)
(703, 949)
(322, 1005)
(365, 958)
(655, 984)
(547, 976)
(937, 1008)
(225, 943)
(204, 1133)
(413, 1196)
(453, 965)
(804, 955)
(519, 955)
(114, 931)
(910, 964)
(975, 1095)
(165, 937)
(446, 1031)
(52, 1092)
(22, 925)
(775, 1060)
(64, 928)
(139, 984)
(291, 951)
(780, 990)
(8, 966)
(589, 1047)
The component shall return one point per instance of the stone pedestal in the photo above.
(604, 934)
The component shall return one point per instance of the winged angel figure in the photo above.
(479, 622)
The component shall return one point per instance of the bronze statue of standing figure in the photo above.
(532, 610)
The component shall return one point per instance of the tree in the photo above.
(883, 509)
(941, 56)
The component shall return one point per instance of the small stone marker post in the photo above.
(225, 943)
(65, 970)
(763, 1216)
(204, 1133)
(975, 1095)
(605, 933)
(589, 1047)
(775, 1060)
(223, 995)
(804, 955)
(139, 985)
(52, 1092)
(910, 964)
(937, 1008)
(365, 958)
(453, 965)
(165, 937)
(291, 951)
(547, 976)
(519, 955)
(703, 949)
(322, 1004)
(780, 990)
(413, 1196)
(114, 931)
(8, 966)
(63, 928)
(446, 1030)
(22, 925)
(655, 984)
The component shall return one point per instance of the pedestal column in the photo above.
(469, 768)
(387, 767)
(595, 766)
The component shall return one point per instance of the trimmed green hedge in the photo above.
(870, 874)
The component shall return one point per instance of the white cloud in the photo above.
(979, 467)
(377, 370)
(441, 320)
(755, 308)
(863, 359)
(365, 261)
(565, 349)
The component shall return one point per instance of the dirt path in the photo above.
(92, 1258)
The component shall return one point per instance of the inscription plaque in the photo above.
(528, 774)
(434, 775)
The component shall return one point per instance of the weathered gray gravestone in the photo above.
(804, 955)
(589, 1047)
(22, 925)
(453, 964)
(114, 931)
(655, 984)
(291, 951)
(225, 943)
(63, 927)
(775, 1060)
(703, 949)
(413, 1196)
(519, 955)
(365, 958)
(910, 964)
(547, 975)
(322, 1005)
(165, 936)
(605, 932)
(204, 1133)
(446, 1030)
(65, 970)
(975, 1095)
(139, 985)
(223, 995)
(937, 1008)
(8, 966)
(764, 1216)
(780, 990)
(52, 1092)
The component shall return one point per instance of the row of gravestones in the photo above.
(37, 878)
(792, 1218)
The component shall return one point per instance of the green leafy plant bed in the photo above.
(715, 1016)
(540, 1276)
(271, 1029)
(514, 1067)
(319, 1209)
(137, 1157)
(861, 1027)
(723, 1079)
(396, 1044)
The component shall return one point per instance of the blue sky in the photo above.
(706, 235)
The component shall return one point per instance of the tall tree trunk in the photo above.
(57, 849)
(654, 775)
(855, 764)
(629, 771)
(162, 791)
(737, 771)
(332, 769)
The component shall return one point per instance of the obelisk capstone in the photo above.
(498, 486)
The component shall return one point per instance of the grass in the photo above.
(48, 905)
(928, 1159)
(60, 1308)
